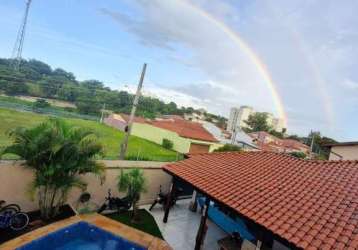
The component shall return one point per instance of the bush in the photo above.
(300, 155)
(228, 147)
(167, 144)
(40, 103)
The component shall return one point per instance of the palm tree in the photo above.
(58, 154)
(134, 183)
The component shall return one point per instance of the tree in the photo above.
(228, 148)
(258, 122)
(134, 183)
(58, 154)
(16, 88)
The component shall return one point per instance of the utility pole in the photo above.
(312, 141)
(233, 135)
(102, 115)
(124, 143)
(19, 44)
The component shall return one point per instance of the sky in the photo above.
(297, 59)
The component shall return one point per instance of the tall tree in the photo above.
(258, 122)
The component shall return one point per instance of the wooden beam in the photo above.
(203, 227)
(169, 200)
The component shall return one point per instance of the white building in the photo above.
(238, 116)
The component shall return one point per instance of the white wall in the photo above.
(349, 152)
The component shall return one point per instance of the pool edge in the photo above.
(131, 234)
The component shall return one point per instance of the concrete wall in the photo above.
(15, 180)
(349, 152)
(157, 135)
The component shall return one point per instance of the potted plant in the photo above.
(134, 183)
(58, 153)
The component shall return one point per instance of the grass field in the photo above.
(110, 137)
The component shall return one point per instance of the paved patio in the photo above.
(182, 226)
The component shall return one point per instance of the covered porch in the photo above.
(180, 231)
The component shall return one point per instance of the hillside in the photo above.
(110, 137)
(38, 79)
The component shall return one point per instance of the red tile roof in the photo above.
(272, 143)
(312, 204)
(183, 128)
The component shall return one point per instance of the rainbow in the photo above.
(260, 66)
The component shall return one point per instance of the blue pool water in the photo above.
(81, 235)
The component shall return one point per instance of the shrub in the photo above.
(300, 155)
(167, 144)
(134, 183)
(228, 147)
(40, 103)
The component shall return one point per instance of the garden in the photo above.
(59, 154)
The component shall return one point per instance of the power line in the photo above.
(19, 43)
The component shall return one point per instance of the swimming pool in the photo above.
(81, 235)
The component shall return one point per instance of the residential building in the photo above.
(195, 117)
(120, 121)
(187, 136)
(273, 200)
(224, 137)
(238, 116)
(343, 150)
(268, 142)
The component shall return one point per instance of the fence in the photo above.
(15, 182)
(48, 111)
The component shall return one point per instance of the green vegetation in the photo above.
(57, 153)
(38, 79)
(109, 137)
(168, 144)
(299, 155)
(40, 103)
(147, 223)
(133, 183)
(228, 148)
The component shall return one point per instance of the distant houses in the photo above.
(186, 136)
(268, 142)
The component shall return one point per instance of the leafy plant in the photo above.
(58, 154)
(134, 183)
(299, 155)
(228, 147)
(167, 144)
(40, 103)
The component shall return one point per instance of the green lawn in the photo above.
(109, 136)
(147, 223)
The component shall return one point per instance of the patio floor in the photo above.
(182, 226)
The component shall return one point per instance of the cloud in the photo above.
(350, 84)
(176, 27)
(308, 46)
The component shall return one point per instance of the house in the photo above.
(343, 150)
(268, 142)
(120, 121)
(241, 138)
(187, 136)
(282, 201)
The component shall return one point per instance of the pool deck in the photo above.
(143, 239)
